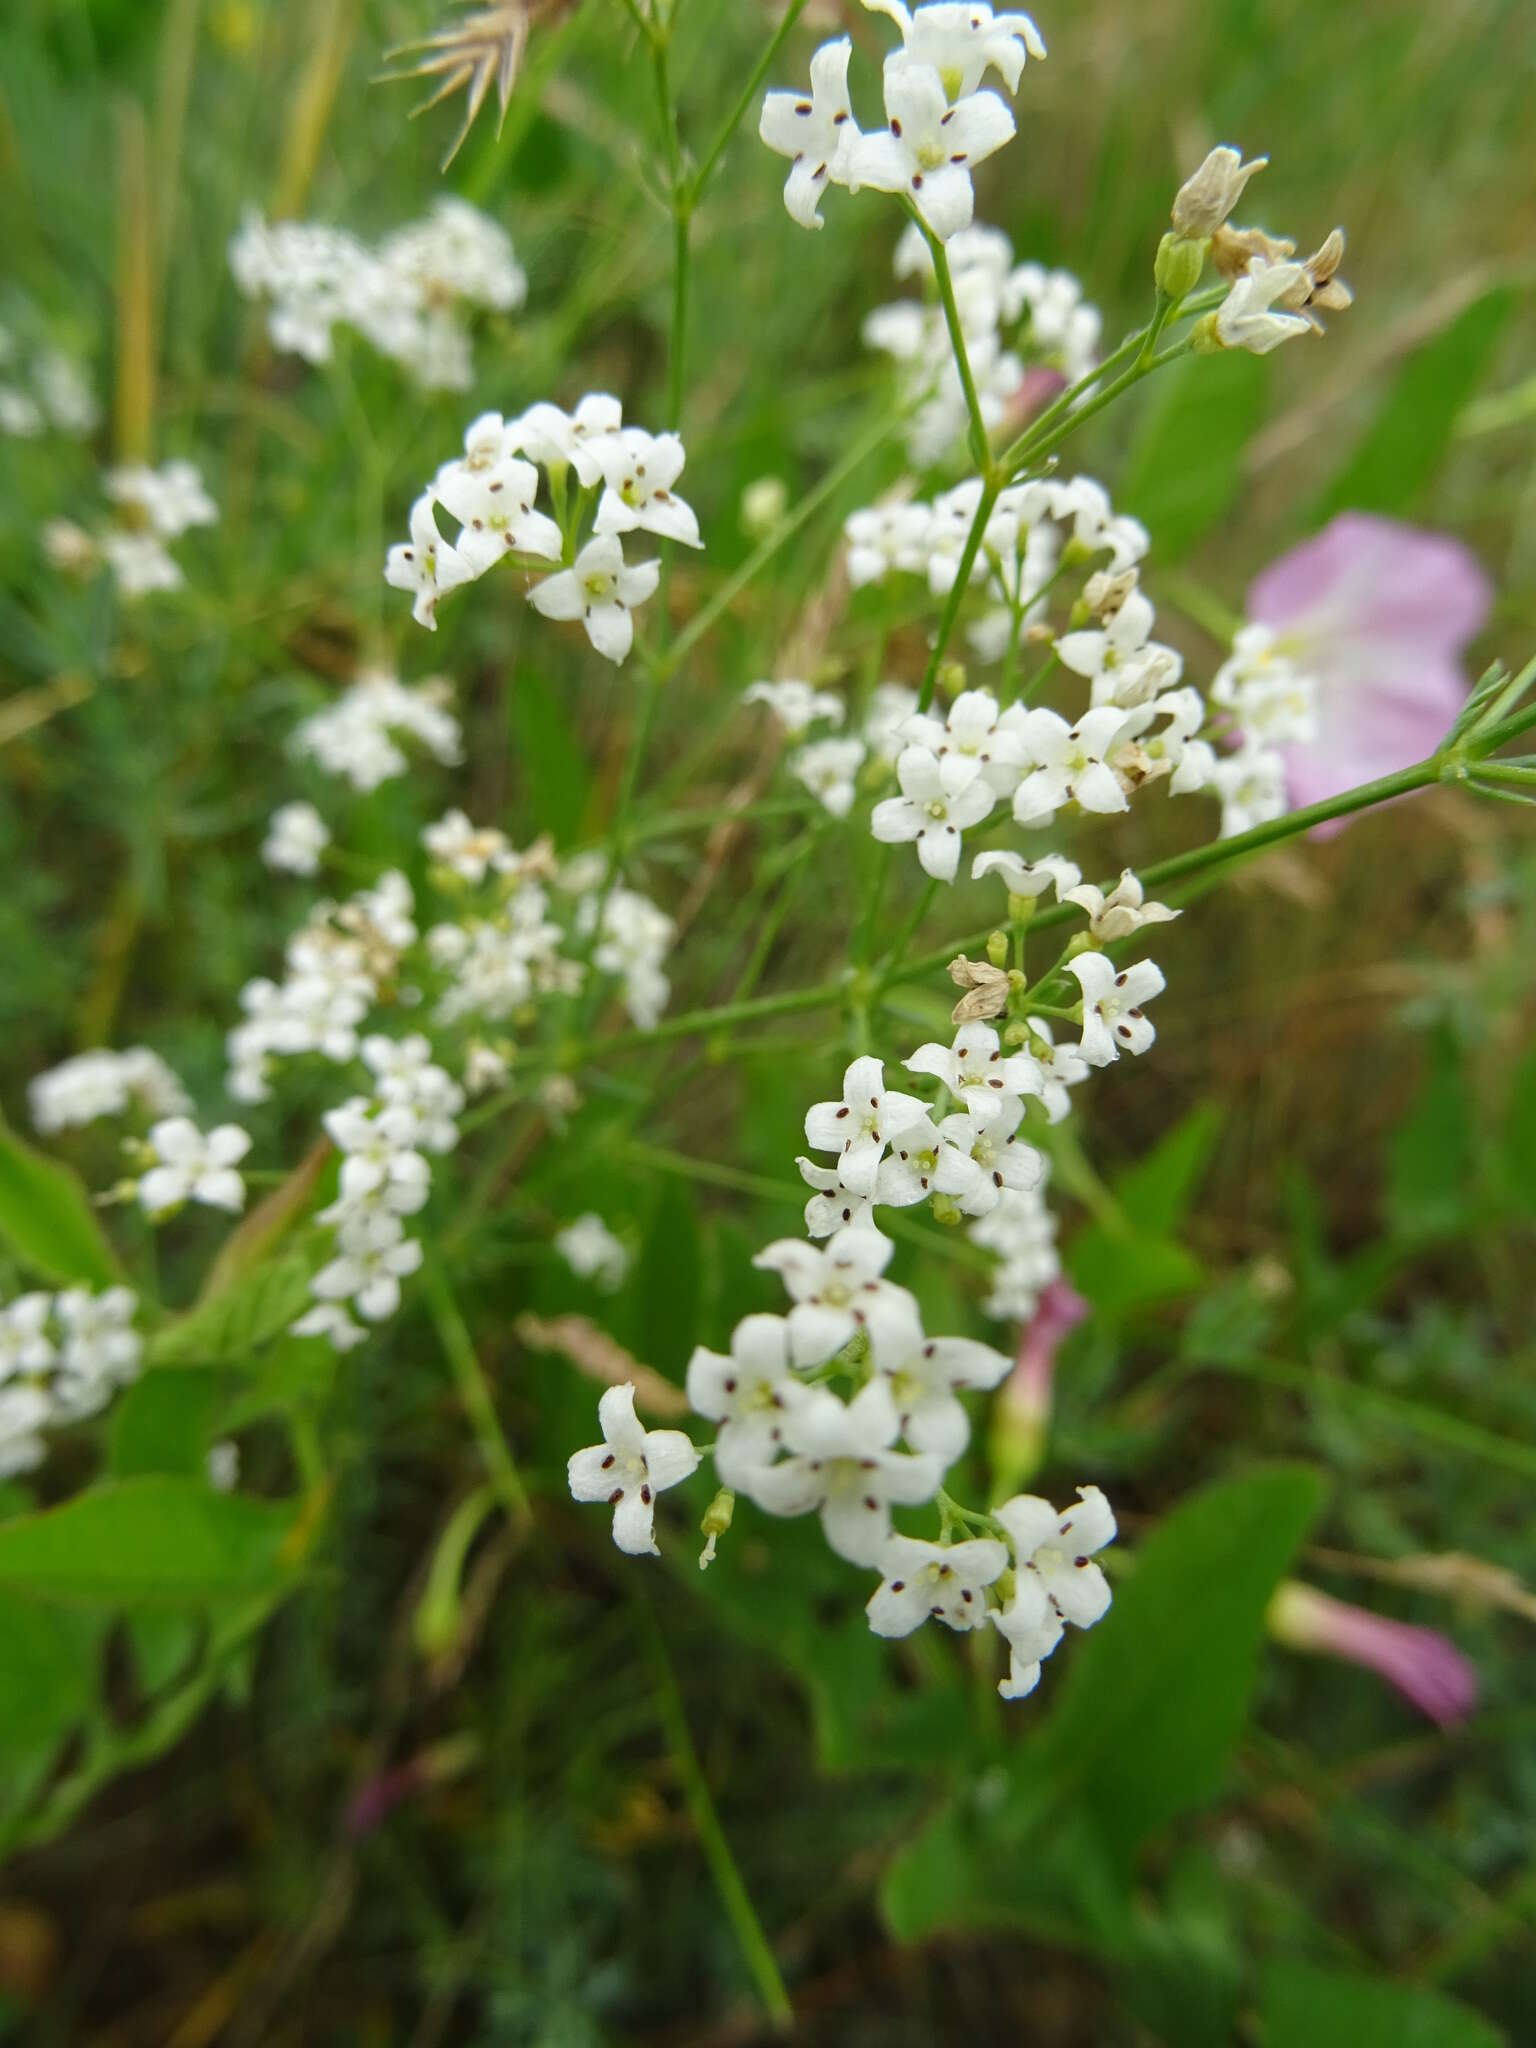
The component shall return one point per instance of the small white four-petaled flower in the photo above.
(629, 1468)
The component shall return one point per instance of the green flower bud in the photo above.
(947, 1210)
(1179, 265)
(997, 949)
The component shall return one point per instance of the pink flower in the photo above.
(1023, 1406)
(1425, 1666)
(1379, 613)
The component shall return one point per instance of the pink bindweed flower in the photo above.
(1022, 1411)
(1379, 613)
(1425, 1666)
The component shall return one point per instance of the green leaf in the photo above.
(47, 1675)
(1158, 1190)
(164, 1423)
(1404, 446)
(555, 780)
(1185, 468)
(248, 1313)
(1157, 1695)
(1517, 1155)
(1429, 1185)
(155, 1542)
(1121, 1272)
(47, 1219)
(669, 1283)
(1305, 2006)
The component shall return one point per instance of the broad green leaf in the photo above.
(552, 767)
(1158, 1190)
(1156, 1696)
(1405, 444)
(1306, 2006)
(47, 1675)
(163, 1646)
(246, 1314)
(164, 1423)
(47, 1219)
(156, 1542)
(1430, 1163)
(1185, 467)
(1120, 1272)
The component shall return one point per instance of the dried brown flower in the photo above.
(469, 54)
(987, 989)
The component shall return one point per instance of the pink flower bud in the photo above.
(1425, 1666)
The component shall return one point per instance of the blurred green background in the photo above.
(1321, 1190)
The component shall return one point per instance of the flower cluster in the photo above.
(402, 297)
(490, 491)
(156, 506)
(941, 122)
(358, 736)
(62, 1357)
(102, 1083)
(1028, 332)
(41, 389)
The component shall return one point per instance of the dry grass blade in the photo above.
(486, 45)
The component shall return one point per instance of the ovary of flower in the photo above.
(494, 507)
(925, 1383)
(749, 1393)
(984, 1080)
(858, 1127)
(24, 1344)
(842, 1463)
(426, 564)
(639, 470)
(962, 40)
(999, 1156)
(139, 564)
(455, 843)
(375, 1256)
(1112, 1016)
(796, 705)
(297, 835)
(1057, 1550)
(560, 440)
(329, 1320)
(1028, 878)
(1069, 764)
(599, 589)
(193, 1168)
(929, 147)
(593, 1253)
(828, 769)
(924, 1162)
(1246, 317)
(171, 498)
(946, 1582)
(1251, 785)
(629, 1468)
(839, 1291)
(817, 131)
(1123, 911)
(1062, 1065)
(925, 812)
(971, 743)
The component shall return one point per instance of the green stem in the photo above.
(732, 121)
(956, 597)
(475, 1394)
(980, 441)
(756, 1951)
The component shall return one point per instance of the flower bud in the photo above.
(951, 678)
(1426, 1668)
(947, 1210)
(1179, 264)
(763, 506)
(1204, 201)
(997, 949)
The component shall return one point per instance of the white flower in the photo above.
(20, 416)
(1069, 764)
(890, 706)
(796, 705)
(1112, 1017)
(858, 1128)
(1062, 1065)
(575, 440)
(749, 1394)
(24, 1345)
(927, 813)
(100, 1083)
(297, 835)
(1246, 319)
(600, 590)
(1251, 785)
(962, 40)
(948, 1582)
(194, 1168)
(988, 1083)
(592, 1251)
(381, 1159)
(1029, 878)
(1119, 658)
(454, 842)
(827, 768)
(1271, 701)
(924, 1386)
(1123, 911)
(457, 251)
(426, 564)
(100, 1350)
(999, 1157)
(639, 470)
(629, 1468)
(1058, 1550)
(930, 146)
(926, 1161)
(493, 503)
(817, 131)
(139, 564)
(883, 538)
(24, 1412)
(171, 498)
(971, 743)
(329, 1320)
(839, 1291)
(1032, 1628)
(375, 1257)
(352, 737)
(832, 1207)
(842, 1463)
